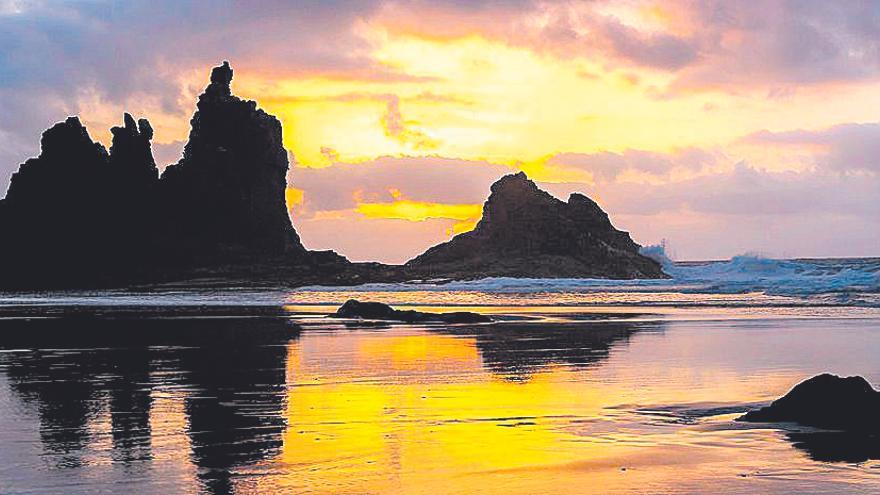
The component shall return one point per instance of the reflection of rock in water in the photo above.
(833, 446)
(518, 350)
(58, 388)
(233, 370)
(236, 412)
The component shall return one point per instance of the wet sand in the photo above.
(243, 399)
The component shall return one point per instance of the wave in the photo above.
(842, 278)
(782, 277)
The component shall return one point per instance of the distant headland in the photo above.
(80, 216)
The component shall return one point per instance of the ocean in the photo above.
(580, 386)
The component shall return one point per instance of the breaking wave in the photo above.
(839, 281)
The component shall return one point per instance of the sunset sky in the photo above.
(723, 126)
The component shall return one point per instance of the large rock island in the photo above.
(526, 232)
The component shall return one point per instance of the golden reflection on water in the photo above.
(658, 297)
(597, 404)
(413, 411)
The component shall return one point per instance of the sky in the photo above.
(725, 127)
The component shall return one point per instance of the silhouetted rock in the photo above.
(58, 217)
(526, 232)
(131, 155)
(226, 195)
(825, 401)
(80, 216)
(380, 311)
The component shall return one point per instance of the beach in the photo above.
(193, 391)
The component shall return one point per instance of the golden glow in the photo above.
(479, 99)
(293, 197)
(418, 211)
(473, 91)
(394, 411)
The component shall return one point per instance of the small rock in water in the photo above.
(381, 311)
(825, 401)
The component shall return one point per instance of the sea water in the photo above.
(581, 386)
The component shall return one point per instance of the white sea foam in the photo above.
(741, 274)
(746, 280)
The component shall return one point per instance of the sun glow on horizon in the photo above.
(650, 105)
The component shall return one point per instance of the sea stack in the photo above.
(80, 216)
(526, 232)
(226, 195)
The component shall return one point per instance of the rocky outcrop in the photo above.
(226, 195)
(383, 312)
(80, 216)
(67, 212)
(526, 232)
(825, 401)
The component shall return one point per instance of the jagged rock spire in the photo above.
(131, 155)
(228, 190)
(221, 77)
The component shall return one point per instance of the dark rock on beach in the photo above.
(825, 401)
(380, 311)
(526, 232)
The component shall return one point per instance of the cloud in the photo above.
(608, 166)
(657, 50)
(733, 45)
(719, 208)
(719, 214)
(429, 179)
(782, 43)
(152, 58)
(402, 130)
(844, 148)
(383, 239)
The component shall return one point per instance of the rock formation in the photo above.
(825, 401)
(226, 194)
(526, 232)
(380, 311)
(79, 216)
(67, 212)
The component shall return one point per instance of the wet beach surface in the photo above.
(241, 399)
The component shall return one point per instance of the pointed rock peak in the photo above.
(130, 128)
(67, 135)
(578, 200)
(129, 122)
(72, 121)
(515, 181)
(145, 129)
(221, 77)
(130, 149)
(575, 198)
